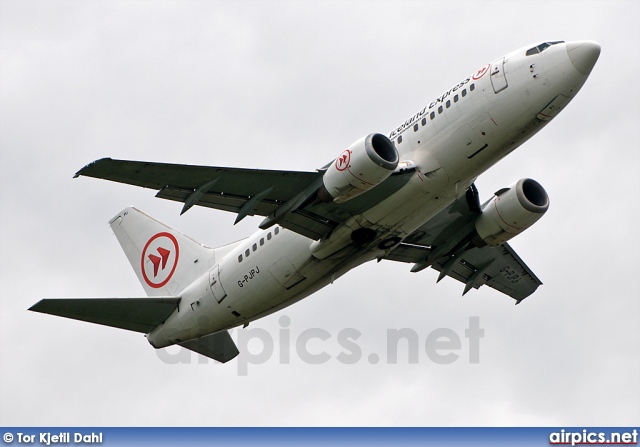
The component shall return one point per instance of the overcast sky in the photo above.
(285, 85)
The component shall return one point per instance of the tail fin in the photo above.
(164, 260)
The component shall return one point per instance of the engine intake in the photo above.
(511, 211)
(363, 165)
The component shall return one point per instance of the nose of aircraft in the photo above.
(583, 55)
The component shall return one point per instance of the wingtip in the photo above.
(87, 166)
(34, 308)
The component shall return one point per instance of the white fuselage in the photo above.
(451, 142)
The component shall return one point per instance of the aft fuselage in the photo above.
(451, 141)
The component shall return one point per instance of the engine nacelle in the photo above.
(365, 164)
(511, 211)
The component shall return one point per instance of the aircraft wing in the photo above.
(283, 196)
(443, 243)
(133, 314)
(499, 268)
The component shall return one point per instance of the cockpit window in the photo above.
(543, 46)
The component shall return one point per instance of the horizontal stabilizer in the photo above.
(133, 314)
(217, 346)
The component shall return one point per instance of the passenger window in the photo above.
(433, 115)
(448, 103)
(424, 121)
(400, 139)
(277, 230)
(455, 98)
(247, 253)
(472, 87)
(255, 247)
(464, 92)
(269, 236)
(415, 127)
(261, 241)
(240, 258)
(440, 109)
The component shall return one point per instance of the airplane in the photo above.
(407, 196)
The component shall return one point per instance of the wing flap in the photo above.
(497, 267)
(409, 253)
(133, 314)
(218, 346)
(220, 201)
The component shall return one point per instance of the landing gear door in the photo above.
(216, 286)
(498, 77)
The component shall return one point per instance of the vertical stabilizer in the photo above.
(165, 261)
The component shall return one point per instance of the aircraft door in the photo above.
(216, 286)
(498, 77)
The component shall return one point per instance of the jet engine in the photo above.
(363, 165)
(511, 211)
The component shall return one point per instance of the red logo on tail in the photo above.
(164, 253)
(163, 260)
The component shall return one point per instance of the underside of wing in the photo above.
(497, 267)
(285, 197)
(133, 314)
(445, 243)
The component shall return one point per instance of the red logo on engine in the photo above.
(342, 162)
(159, 259)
